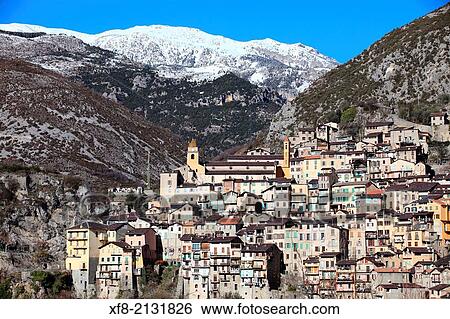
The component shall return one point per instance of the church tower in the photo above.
(286, 158)
(193, 158)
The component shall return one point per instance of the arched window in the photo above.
(192, 156)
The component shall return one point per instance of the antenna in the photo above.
(148, 169)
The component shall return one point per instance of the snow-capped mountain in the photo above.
(180, 52)
(219, 113)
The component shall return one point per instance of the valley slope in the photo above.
(54, 123)
(403, 75)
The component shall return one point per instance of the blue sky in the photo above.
(340, 29)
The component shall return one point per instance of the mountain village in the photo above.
(162, 162)
(329, 217)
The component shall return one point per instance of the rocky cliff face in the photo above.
(220, 114)
(404, 74)
(33, 223)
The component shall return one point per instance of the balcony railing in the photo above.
(215, 287)
(344, 288)
(344, 279)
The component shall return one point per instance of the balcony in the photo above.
(104, 268)
(299, 199)
(342, 194)
(214, 262)
(77, 239)
(246, 265)
(219, 255)
(111, 283)
(215, 287)
(235, 263)
(217, 262)
(323, 288)
(344, 279)
(234, 270)
(74, 256)
(107, 275)
(365, 290)
(421, 226)
(312, 281)
(201, 265)
(344, 288)
(77, 247)
(224, 270)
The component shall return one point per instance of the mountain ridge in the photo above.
(182, 52)
(211, 111)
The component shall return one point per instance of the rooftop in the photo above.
(378, 124)
(230, 221)
(91, 226)
(261, 248)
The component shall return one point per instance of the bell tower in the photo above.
(287, 157)
(192, 154)
(193, 158)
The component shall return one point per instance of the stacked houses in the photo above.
(329, 217)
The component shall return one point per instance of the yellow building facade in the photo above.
(440, 207)
(83, 243)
